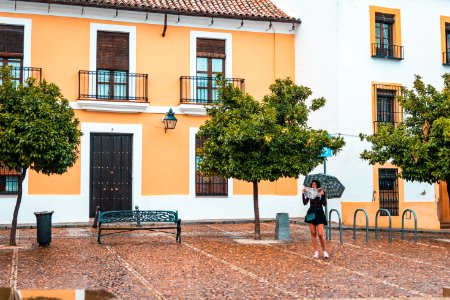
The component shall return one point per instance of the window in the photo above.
(214, 186)
(11, 49)
(387, 108)
(385, 33)
(9, 181)
(388, 190)
(210, 62)
(447, 44)
(112, 65)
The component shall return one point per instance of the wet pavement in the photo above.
(221, 261)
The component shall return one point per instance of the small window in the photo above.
(112, 65)
(388, 190)
(385, 33)
(9, 181)
(388, 109)
(210, 63)
(214, 186)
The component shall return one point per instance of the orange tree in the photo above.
(254, 141)
(38, 131)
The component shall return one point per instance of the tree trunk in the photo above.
(12, 239)
(256, 209)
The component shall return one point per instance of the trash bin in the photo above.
(44, 227)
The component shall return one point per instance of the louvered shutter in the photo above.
(211, 48)
(112, 50)
(384, 18)
(11, 41)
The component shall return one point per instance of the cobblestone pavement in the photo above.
(222, 261)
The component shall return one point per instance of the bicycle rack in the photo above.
(415, 224)
(367, 224)
(390, 223)
(329, 226)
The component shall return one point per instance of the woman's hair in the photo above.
(317, 183)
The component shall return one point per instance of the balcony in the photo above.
(203, 90)
(21, 74)
(387, 51)
(112, 86)
(446, 58)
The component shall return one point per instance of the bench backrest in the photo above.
(118, 216)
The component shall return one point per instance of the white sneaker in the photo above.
(325, 254)
(316, 254)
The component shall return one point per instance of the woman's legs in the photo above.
(320, 232)
(313, 230)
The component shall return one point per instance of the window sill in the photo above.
(193, 109)
(111, 106)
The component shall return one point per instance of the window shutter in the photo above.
(211, 48)
(112, 50)
(384, 18)
(11, 40)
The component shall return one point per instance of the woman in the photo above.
(317, 224)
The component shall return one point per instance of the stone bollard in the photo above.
(446, 291)
(282, 228)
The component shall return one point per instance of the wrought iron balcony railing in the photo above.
(112, 85)
(387, 51)
(203, 90)
(21, 74)
(446, 58)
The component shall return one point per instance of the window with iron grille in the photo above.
(388, 109)
(9, 181)
(112, 65)
(388, 190)
(384, 38)
(11, 49)
(210, 62)
(213, 186)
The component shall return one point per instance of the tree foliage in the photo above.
(420, 145)
(38, 130)
(254, 141)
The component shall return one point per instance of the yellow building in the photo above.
(123, 67)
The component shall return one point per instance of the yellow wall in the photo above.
(60, 45)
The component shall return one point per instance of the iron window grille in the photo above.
(384, 38)
(9, 181)
(213, 186)
(388, 190)
(112, 85)
(203, 90)
(446, 54)
(388, 109)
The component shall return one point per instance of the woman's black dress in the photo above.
(316, 207)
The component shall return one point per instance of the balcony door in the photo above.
(11, 49)
(112, 65)
(210, 63)
(384, 36)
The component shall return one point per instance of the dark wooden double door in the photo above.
(110, 172)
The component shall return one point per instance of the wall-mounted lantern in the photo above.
(169, 120)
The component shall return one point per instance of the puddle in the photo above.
(25, 294)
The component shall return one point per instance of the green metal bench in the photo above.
(138, 216)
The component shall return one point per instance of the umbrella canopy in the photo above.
(332, 186)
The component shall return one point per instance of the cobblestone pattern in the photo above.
(210, 264)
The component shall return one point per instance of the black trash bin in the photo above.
(44, 227)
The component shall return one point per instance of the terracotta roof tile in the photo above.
(245, 9)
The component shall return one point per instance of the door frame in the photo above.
(136, 130)
(444, 206)
(92, 207)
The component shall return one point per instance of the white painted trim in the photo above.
(211, 35)
(110, 106)
(192, 133)
(87, 129)
(26, 23)
(93, 50)
(192, 109)
(140, 17)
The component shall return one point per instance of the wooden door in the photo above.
(110, 174)
(444, 211)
